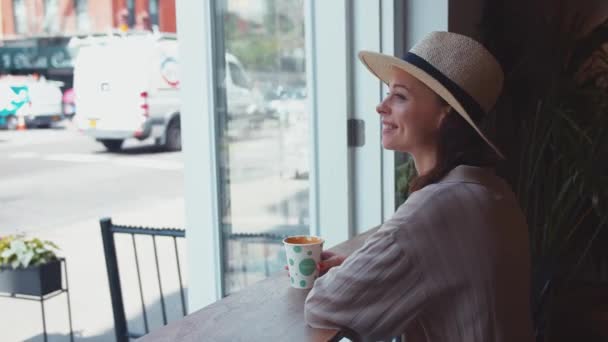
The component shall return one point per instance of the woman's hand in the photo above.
(328, 260)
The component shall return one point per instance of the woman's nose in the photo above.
(382, 108)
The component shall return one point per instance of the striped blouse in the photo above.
(452, 264)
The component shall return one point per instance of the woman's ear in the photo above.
(445, 110)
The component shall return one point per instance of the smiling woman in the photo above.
(411, 114)
(452, 264)
(416, 120)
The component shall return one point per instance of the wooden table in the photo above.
(269, 310)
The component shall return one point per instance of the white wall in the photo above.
(390, 38)
(424, 16)
(352, 193)
(366, 160)
(327, 38)
(372, 28)
(204, 282)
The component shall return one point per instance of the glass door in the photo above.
(268, 90)
(262, 134)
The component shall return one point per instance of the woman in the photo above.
(452, 264)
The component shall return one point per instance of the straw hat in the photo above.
(456, 67)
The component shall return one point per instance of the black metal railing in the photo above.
(108, 229)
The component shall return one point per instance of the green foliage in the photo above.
(259, 46)
(256, 53)
(17, 251)
(404, 173)
(563, 187)
(561, 180)
(554, 117)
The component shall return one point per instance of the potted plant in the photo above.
(553, 120)
(29, 266)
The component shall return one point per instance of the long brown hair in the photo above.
(459, 144)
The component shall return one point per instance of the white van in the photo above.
(44, 108)
(242, 102)
(37, 100)
(128, 87)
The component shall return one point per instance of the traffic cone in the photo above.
(21, 123)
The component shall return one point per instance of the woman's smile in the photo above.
(388, 127)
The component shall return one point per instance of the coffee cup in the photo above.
(303, 254)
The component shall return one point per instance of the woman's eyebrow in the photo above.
(400, 86)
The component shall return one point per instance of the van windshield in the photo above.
(238, 77)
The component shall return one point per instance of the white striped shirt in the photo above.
(452, 264)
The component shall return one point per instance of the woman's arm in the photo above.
(376, 292)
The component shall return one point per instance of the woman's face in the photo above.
(411, 114)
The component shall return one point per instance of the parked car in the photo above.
(289, 104)
(45, 106)
(243, 101)
(35, 98)
(12, 102)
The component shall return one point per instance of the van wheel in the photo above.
(112, 145)
(11, 123)
(174, 136)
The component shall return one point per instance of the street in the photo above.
(114, 71)
(55, 184)
(55, 177)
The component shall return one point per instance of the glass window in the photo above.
(263, 134)
(81, 8)
(51, 16)
(20, 14)
(153, 9)
(131, 11)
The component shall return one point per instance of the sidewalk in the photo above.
(285, 203)
(81, 245)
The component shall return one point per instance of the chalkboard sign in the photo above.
(16, 58)
(35, 54)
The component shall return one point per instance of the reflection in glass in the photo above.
(20, 16)
(238, 77)
(51, 16)
(263, 134)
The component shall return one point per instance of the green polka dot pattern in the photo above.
(307, 266)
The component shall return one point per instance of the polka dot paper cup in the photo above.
(303, 254)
